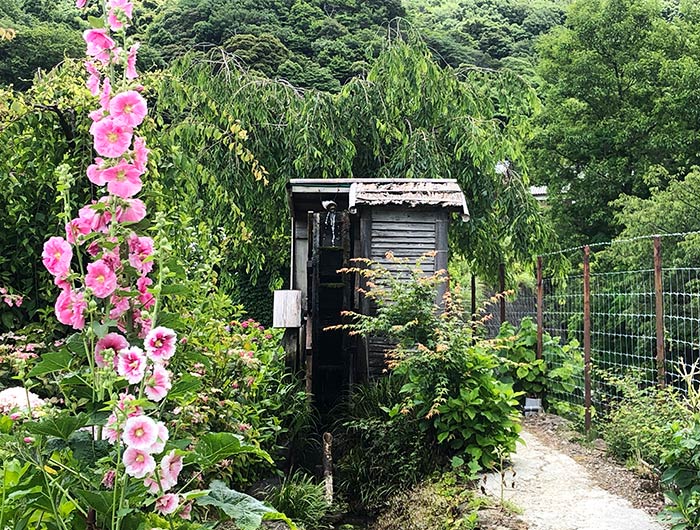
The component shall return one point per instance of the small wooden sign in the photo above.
(287, 309)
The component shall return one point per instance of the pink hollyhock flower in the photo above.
(106, 94)
(186, 511)
(98, 44)
(126, 404)
(144, 324)
(97, 221)
(120, 305)
(70, 308)
(141, 248)
(111, 139)
(163, 436)
(111, 341)
(135, 210)
(101, 279)
(80, 3)
(75, 228)
(138, 463)
(170, 466)
(128, 108)
(57, 256)
(167, 504)
(160, 344)
(140, 432)
(123, 180)
(93, 82)
(108, 479)
(140, 153)
(62, 281)
(111, 259)
(157, 383)
(131, 62)
(146, 298)
(131, 364)
(111, 432)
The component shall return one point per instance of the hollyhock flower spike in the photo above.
(160, 344)
(110, 139)
(131, 364)
(138, 463)
(57, 256)
(100, 279)
(128, 108)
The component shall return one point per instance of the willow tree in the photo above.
(408, 117)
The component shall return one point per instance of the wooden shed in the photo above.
(333, 221)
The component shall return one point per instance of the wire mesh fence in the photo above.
(642, 321)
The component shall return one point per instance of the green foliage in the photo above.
(301, 499)
(615, 89)
(638, 426)
(682, 476)
(523, 370)
(247, 512)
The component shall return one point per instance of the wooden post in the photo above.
(327, 461)
(540, 307)
(659, 299)
(502, 288)
(473, 305)
(587, 335)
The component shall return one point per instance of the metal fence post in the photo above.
(502, 288)
(540, 307)
(587, 335)
(659, 303)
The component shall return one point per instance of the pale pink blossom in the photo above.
(128, 108)
(140, 432)
(57, 256)
(131, 62)
(80, 3)
(140, 153)
(162, 439)
(70, 308)
(112, 431)
(157, 383)
(126, 404)
(170, 466)
(167, 504)
(160, 344)
(117, 10)
(100, 279)
(99, 44)
(110, 139)
(106, 94)
(14, 400)
(186, 511)
(111, 341)
(93, 82)
(123, 180)
(138, 463)
(140, 250)
(135, 210)
(131, 364)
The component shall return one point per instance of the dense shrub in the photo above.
(302, 499)
(638, 426)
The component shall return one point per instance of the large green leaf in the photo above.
(213, 447)
(52, 362)
(60, 425)
(247, 512)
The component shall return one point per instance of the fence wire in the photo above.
(623, 324)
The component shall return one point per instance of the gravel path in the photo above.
(557, 493)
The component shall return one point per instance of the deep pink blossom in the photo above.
(93, 82)
(131, 364)
(99, 44)
(134, 210)
(140, 432)
(140, 250)
(111, 258)
(111, 341)
(97, 221)
(75, 228)
(160, 344)
(70, 308)
(110, 139)
(131, 72)
(57, 256)
(123, 180)
(140, 153)
(157, 383)
(100, 278)
(128, 108)
(147, 299)
(167, 504)
(106, 94)
(120, 305)
(138, 463)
